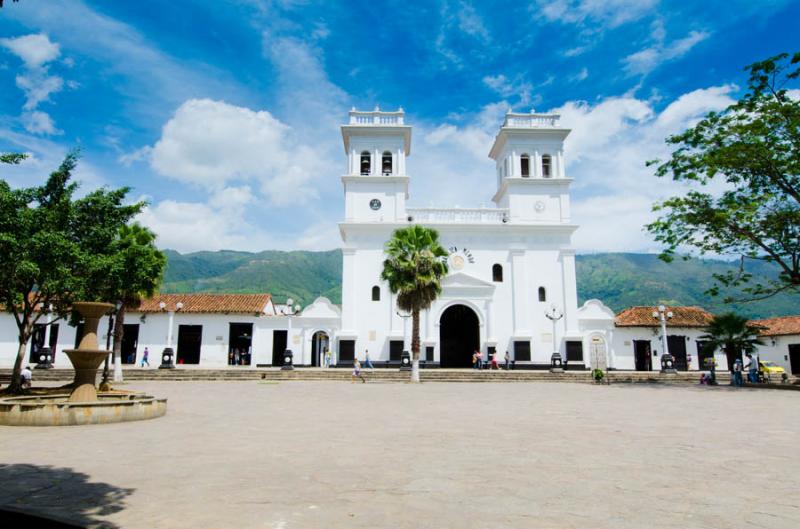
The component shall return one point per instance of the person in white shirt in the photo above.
(26, 376)
(752, 368)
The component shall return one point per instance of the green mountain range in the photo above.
(620, 280)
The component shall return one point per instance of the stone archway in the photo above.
(320, 343)
(459, 336)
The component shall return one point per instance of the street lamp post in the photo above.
(556, 363)
(168, 354)
(405, 358)
(290, 310)
(667, 360)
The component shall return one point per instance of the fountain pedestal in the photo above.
(86, 359)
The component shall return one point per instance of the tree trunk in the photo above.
(14, 387)
(118, 332)
(415, 346)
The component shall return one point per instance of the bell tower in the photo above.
(531, 181)
(375, 183)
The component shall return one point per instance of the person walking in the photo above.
(752, 368)
(508, 361)
(494, 361)
(328, 357)
(357, 371)
(737, 372)
(146, 357)
(367, 361)
(474, 360)
(480, 360)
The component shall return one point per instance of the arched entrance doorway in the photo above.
(459, 336)
(598, 354)
(319, 346)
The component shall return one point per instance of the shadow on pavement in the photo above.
(56, 498)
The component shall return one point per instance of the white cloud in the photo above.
(212, 144)
(193, 226)
(471, 23)
(610, 13)
(606, 153)
(38, 86)
(38, 122)
(648, 59)
(35, 50)
(582, 75)
(504, 87)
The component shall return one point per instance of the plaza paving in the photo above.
(331, 454)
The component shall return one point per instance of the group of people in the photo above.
(357, 367)
(752, 370)
(239, 357)
(478, 363)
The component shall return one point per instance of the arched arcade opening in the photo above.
(459, 336)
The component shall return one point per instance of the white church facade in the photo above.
(509, 264)
(511, 285)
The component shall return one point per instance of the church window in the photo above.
(525, 165)
(542, 294)
(366, 163)
(376, 293)
(547, 164)
(386, 163)
(505, 167)
(497, 273)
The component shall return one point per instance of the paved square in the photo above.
(329, 455)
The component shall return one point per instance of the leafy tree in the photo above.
(133, 268)
(414, 267)
(751, 152)
(50, 247)
(732, 334)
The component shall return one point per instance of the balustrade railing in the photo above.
(531, 120)
(376, 117)
(459, 215)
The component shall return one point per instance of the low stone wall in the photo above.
(55, 410)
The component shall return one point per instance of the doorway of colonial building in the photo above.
(240, 344)
(459, 336)
(130, 342)
(794, 358)
(320, 342)
(279, 342)
(677, 348)
(190, 338)
(597, 353)
(642, 356)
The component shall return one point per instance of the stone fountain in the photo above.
(86, 359)
(83, 405)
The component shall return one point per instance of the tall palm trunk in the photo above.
(415, 345)
(118, 333)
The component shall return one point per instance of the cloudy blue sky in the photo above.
(224, 114)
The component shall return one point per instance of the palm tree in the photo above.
(732, 334)
(414, 267)
(136, 272)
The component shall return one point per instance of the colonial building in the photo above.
(781, 337)
(509, 264)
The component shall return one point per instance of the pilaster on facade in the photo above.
(570, 290)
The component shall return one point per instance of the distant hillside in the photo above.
(620, 280)
(299, 275)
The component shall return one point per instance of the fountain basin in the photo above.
(57, 410)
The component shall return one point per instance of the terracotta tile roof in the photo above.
(207, 303)
(681, 317)
(779, 326)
